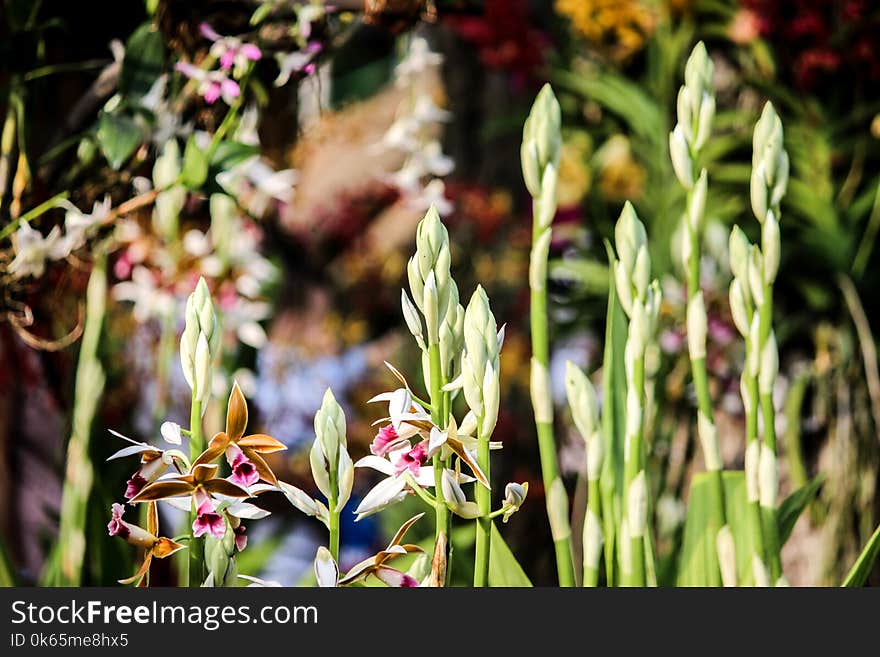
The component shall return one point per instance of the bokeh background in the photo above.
(325, 221)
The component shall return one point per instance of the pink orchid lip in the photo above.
(384, 441)
(134, 486)
(412, 460)
(117, 526)
(244, 472)
(241, 538)
(208, 520)
(212, 93)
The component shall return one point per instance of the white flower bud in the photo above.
(491, 399)
(696, 327)
(738, 308)
(726, 550)
(760, 572)
(752, 465)
(430, 306)
(545, 208)
(739, 249)
(769, 366)
(514, 496)
(709, 442)
(624, 287)
(756, 275)
(538, 260)
(770, 246)
(753, 357)
(166, 169)
(411, 315)
(637, 506)
(581, 400)
(593, 540)
(557, 511)
(542, 402)
(697, 207)
(681, 157)
(758, 192)
(595, 456)
(707, 115)
(641, 276)
(683, 105)
(202, 369)
(767, 478)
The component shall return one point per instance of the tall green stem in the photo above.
(196, 545)
(484, 502)
(441, 511)
(633, 467)
(556, 497)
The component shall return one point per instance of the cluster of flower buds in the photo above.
(430, 282)
(585, 413)
(332, 467)
(696, 111)
(412, 133)
(639, 296)
(480, 362)
(200, 341)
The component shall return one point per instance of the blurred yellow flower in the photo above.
(621, 176)
(574, 171)
(619, 27)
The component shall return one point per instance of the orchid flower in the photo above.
(32, 250)
(232, 52)
(211, 84)
(244, 453)
(154, 461)
(153, 545)
(296, 62)
(514, 496)
(376, 565)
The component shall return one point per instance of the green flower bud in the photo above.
(767, 478)
(581, 400)
(431, 309)
(166, 169)
(683, 106)
(637, 506)
(201, 323)
(756, 275)
(202, 369)
(707, 116)
(538, 260)
(545, 206)
(410, 315)
(758, 192)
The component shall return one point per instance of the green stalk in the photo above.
(484, 523)
(768, 414)
(441, 511)
(334, 514)
(79, 474)
(755, 520)
(633, 465)
(556, 498)
(591, 574)
(196, 545)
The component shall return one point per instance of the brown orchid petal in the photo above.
(260, 442)
(139, 575)
(262, 467)
(387, 555)
(153, 519)
(464, 455)
(225, 487)
(203, 472)
(423, 425)
(216, 447)
(404, 528)
(359, 572)
(162, 489)
(166, 547)
(236, 414)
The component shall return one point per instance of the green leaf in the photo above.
(613, 419)
(143, 62)
(862, 567)
(698, 562)
(504, 569)
(195, 166)
(231, 153)
(793, 505)
(118, 136)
